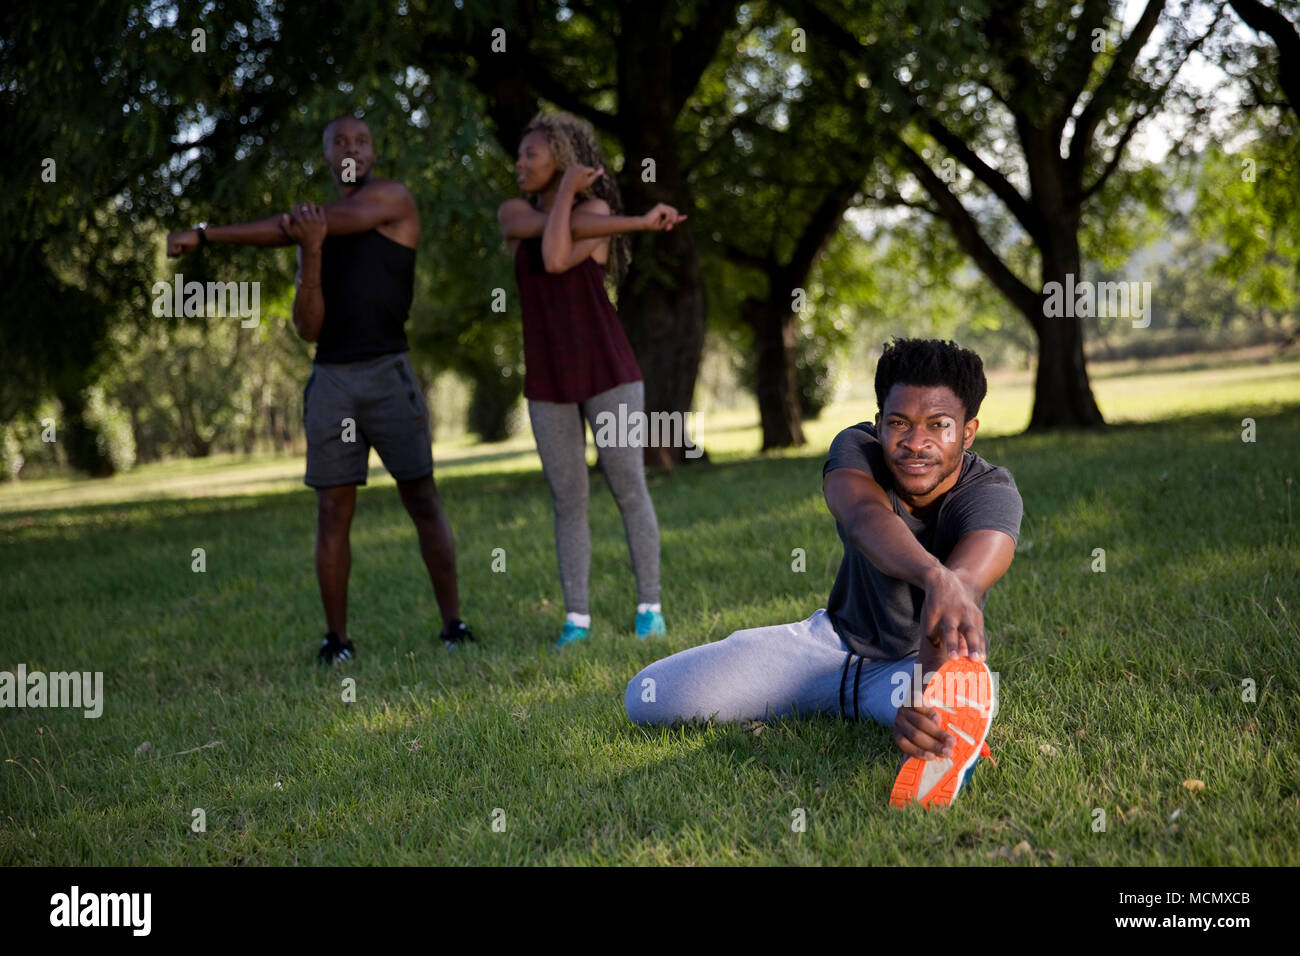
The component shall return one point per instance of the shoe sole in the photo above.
(937, 781)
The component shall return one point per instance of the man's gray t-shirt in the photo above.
(878, 616)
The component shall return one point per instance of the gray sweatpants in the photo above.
(769, 672)
(561, 434)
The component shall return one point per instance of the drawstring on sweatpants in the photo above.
(857, 680)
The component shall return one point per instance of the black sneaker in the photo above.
(455, 633)
(333, 650)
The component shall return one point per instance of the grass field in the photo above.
(1119, 690)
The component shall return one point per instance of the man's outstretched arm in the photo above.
(375, 205)
(260, 232)
(978, 560)
(951, 618)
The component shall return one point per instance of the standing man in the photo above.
(356, 271)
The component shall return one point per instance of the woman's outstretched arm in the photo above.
(519, 220)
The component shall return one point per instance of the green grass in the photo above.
(1116, 687)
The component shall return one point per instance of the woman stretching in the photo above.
(577, 359)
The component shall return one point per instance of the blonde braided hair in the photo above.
(573, 140)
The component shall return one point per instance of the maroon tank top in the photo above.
(574, 344)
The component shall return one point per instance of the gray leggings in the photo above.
(561, 435)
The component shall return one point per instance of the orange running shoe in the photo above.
(962, 692)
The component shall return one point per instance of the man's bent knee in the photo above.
(643, 701)
(639, 698)
(649, 699)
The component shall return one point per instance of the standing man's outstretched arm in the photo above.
(261, 232)
(380, 204)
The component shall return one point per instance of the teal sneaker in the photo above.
(572, 634)
(649, 623)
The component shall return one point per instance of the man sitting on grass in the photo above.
(928, 527)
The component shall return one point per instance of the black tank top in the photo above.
(366, 282)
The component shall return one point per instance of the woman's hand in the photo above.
(662, 216)
(578, 178)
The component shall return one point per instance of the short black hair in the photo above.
(932, 362)
(325, 142)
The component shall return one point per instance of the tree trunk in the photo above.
(661, 302)
(494, 399)
(665, 327)
(1062, 393)
(78, 437)
(130, 402)
(776, 384)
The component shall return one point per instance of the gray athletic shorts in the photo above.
(387, 409)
